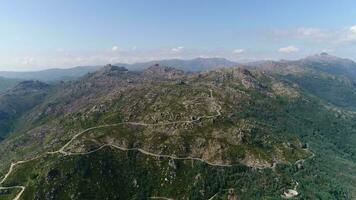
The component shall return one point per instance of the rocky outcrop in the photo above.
(111, 70)
(165, 72)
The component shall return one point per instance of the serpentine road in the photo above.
(65, 153)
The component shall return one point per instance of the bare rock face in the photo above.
(112, 69)
(255, 162)
(163, 72)
(248, 80)
(290, 193)
(232, 195)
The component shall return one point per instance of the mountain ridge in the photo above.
(257, 127)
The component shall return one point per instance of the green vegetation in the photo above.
(100, 175)
(268, 127)
(8, 194)
(7, 83)
(17, 101)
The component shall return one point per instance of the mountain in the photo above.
(231, 133)
(7, 83)
(330, 64)
(17, 101)
(194, 65)
(328, 77)
(51, 75)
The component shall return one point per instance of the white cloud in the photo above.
(27, 60)
(177, 49)
(114, 48)
(328, 50)
(353, 29)
(238, 51)
(311, 33)
(73, 58)
(305, 33)
(288, 49)
(349, 35)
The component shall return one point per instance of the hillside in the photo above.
(162, 132)
(50, 75)
(7, 83)
(328, 77)
(193, 65)
(54, 75)
(17, 101)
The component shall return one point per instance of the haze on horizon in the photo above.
(39, 34)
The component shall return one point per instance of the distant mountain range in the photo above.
(194, 65)
(321, 64)
(52, 75)
(264, 130)
(328, 77)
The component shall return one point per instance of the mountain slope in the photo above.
(17, 101)
(6, 83)
(165, 133)
(194, 65)
(51, 75)
(330, 64)
(330, 78)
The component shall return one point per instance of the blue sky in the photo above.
(38, 34)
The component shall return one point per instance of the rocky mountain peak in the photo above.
(325, 57)
(111, 70)
(158, 70)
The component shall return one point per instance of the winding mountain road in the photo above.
(65, 153)
(15, 187)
